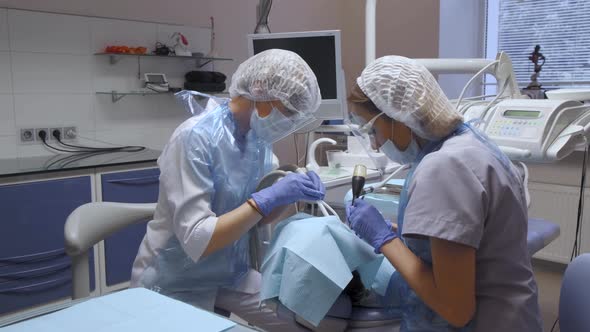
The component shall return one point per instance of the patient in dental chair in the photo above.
(311, 261)
(355, 289)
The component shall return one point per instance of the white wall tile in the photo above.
(138, 112)
(131, 112)
(4, 45)
(54, 110)
(51, 73)
(7, 115)
(34, 150)
(198, 38)
(8, 147)
(155, 138)
(173, 111)
(86, 137)
(118, 137)
(52, 33)
(5, 73)
(106, 32)
(121, 76)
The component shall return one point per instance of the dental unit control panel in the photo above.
(538, 129)
(531, 130)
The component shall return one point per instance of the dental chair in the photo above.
(92, 223)
(574, 298)
(343, 316)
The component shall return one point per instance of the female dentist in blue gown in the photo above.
(196, 248)
(460, 247)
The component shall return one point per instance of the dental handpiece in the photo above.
(358, 181)
(371, 188)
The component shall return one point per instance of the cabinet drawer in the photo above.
(121, 248)
(34, 268)
(131, 187)
(23, 293)
(34, 215)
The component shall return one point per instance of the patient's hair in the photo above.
(355, 288)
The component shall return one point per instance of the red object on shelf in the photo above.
(183, 39)
(126, 49)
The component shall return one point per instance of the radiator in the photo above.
(559, 204)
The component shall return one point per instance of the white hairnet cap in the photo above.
(278, 75)
(407, 92)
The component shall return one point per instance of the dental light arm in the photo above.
(370, 30)
(502, 71)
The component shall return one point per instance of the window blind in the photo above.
(561, 27)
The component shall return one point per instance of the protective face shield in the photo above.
(277, 125)
(367, 128)
(197, 103)
(365, 132)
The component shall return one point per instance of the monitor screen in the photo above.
(156, 78)
(318, 51)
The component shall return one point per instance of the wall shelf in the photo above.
(118, 95)
(200, 61)
(116, 57)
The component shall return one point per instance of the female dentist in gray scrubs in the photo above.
(460, 247)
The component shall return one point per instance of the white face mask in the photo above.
(271, 128)
(407, 156)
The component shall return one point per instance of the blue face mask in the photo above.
(403, 157)
(271, 128)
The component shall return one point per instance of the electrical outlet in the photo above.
(39, 130)
(70, 133)
(59, 130)
(27, 135)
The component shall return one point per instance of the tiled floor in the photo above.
(548, 277)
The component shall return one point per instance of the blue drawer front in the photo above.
(19, 294)
(34, 268)
(39, 286)
(34, 214)
(121, 248)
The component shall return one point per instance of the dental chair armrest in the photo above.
(93, 222)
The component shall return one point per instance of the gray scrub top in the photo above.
(462, 193)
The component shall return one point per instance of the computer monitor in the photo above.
(322, 52)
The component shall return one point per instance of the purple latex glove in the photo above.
(368, 223)
(290, 189)
(317, 182)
